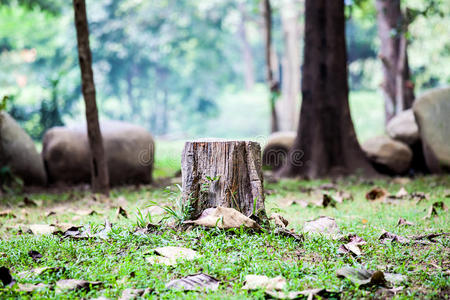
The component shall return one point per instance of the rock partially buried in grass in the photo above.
(224, 218)
(194, 282)
(254, 282)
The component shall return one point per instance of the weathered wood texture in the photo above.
(223, 173)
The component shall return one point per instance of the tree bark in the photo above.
(99, 168)
(397, 88)
(288, 105)
(274, 85)
(223, 173)
(326, 144)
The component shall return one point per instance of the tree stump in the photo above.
(223, 173)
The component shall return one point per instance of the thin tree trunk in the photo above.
(326, 144)
(274, 85)
(397, 88)
(246, 50)
(288, 106)
(99, 168)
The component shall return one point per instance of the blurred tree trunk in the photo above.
(274, 85)
(326, 143)
(99, 168)
(246, 49)
(397, 87)
(288, 106)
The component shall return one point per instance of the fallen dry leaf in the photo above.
(5, 277)
(224, 218)
(27, 202)
(342, 196)
(104, 233)
(322, 225)
(418, 197)
(364, 278)
(434, 208)
(301, 203)
(308, 294)
(74, 284)
(36, 256)
(325, 201)
(352, 245)
(279, 220)
(121, 212)
(376, 194)
(402, 193)
(131, 294)
(194, 282)
(30, 287)
(289, 233)
(7, 214)
(429, 236)
(403, 222)
(170, 255)
(391, 237)
(254, 282)
(86, 212)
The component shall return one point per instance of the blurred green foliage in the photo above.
(176, 67)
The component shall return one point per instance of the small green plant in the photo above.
(142, 220)
(4, 102)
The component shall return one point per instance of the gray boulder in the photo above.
(18, 151)
(388, 156)
(432, 111)
(403, 127)
(277, 148)
(129, 151)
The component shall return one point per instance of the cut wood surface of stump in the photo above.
(223, 173)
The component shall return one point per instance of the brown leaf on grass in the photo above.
(342, 196)
(224, 218)
(58, 228)
(447, 193)
(289, 233)
(325, 201)
(121, 212)
(36, 256)
(30, 287)
(434, 208)
(74, 284)
(352, 245)
(365, 278)
(308, 294)
(327, 187)
(86, 212)
(5, 277)
(131, 294)
(7, 214)
(27, 202)
(418, 197)
(194, 282)
(279, 220)
(430, 236)
(391, 237)
(376, 194)
(402, 193)
(301, 203)
(170, 255)
(254, 282)
(403, 222)
(322, 225)
(104, 233)
(40, 271)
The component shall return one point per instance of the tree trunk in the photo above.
(392, 27)
(288, 106)
(274, 85)
(99, 168)
(326, 144)
(223, 173)
(247, 55)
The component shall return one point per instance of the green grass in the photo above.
(120, 262)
